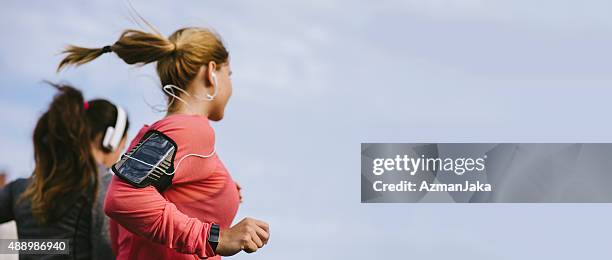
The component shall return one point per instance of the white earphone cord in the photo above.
(177, 165)
(168, 89)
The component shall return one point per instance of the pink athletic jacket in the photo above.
(174, 225)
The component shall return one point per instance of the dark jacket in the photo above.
(74, 219)
(100, 231)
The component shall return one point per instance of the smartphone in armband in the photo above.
(150, 162)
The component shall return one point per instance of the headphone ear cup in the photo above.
(106, 140)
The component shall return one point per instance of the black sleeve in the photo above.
(6, 203)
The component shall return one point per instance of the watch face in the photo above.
(213, 235)
(148, 160)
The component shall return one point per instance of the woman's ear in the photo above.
(205, 75)
(211, 68)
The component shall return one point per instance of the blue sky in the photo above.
(314, 79)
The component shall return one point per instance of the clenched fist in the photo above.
(248, 235)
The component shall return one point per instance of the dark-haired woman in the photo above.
(74, 144)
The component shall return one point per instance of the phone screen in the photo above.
(151, 150)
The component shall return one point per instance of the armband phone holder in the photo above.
(150, 162)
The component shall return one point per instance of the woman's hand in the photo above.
(248, 235)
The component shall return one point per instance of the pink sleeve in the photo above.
(147, 213)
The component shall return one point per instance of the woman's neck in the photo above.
(191, 107)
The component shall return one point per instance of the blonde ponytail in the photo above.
(137, 47)
(133, 47)
(78, 56)
(178, 57)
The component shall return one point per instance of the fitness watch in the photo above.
(213, 236)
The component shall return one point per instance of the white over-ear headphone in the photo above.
(112, 137)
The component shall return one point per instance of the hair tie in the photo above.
(86, 105)
(106, 49)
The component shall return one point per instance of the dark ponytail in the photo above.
(62, 152)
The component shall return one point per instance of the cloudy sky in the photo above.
(314, 79)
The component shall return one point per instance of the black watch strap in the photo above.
(213, 236)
